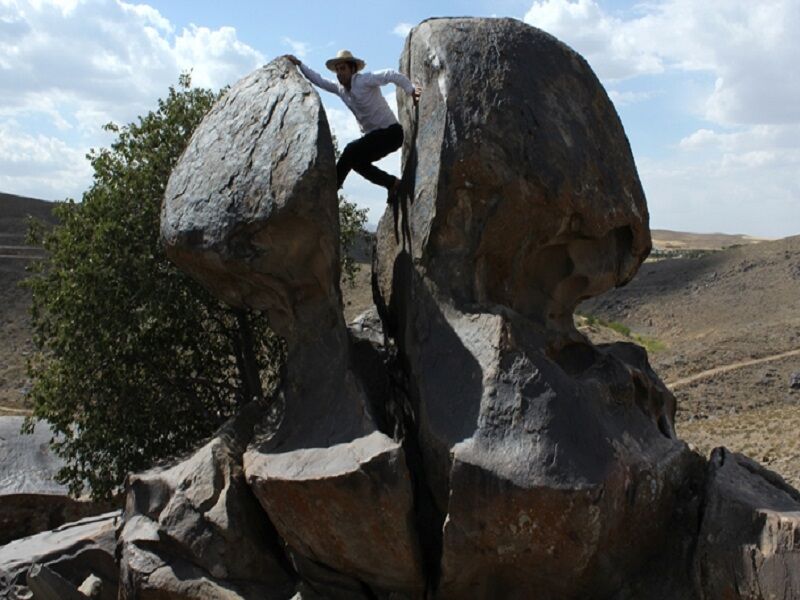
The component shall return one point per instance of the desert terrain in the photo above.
(719, 315)
(15, 332)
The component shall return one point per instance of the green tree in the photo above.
(351, 227)
(135, 360)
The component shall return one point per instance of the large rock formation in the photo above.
(195, 530)
(251, 210)
(489, 449)
(522, 186)
(524, 201)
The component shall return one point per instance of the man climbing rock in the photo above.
(360, 91)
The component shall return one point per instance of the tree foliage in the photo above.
(135, 360)
(351, 225)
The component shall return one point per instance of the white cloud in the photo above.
(111, 55)
(738, 171)
(149, 15)
(747, 146)
(748, 193)
(402, 29)
(751, 49)
(626, 98)
(699, 139)
(299, 48)
(216, 57)
(743, 181)
(72, 65)
(41, 166)
(612, 46)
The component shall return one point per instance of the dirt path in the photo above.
(18, 411)
(725, 368)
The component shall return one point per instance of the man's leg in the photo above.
(360, 154)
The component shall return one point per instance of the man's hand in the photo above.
(416, 93)
(292, 59)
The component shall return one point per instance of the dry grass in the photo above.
(770, 434)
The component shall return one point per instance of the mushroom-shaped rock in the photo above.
(553, 464)
(251, 210)
(522, 186)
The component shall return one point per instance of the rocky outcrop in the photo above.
(74, 552)
(528, 202)
(251, 208)
(749, 541)
(259, 227)
(195, 530)
(31, 500)
(521, 184)
(472, 443)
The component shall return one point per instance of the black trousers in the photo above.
(361, 153)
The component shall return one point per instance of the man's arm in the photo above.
(387, 76)
(314, 77)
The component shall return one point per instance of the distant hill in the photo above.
(664, 239)
(15, 209)
(14, 300)
(725, 327)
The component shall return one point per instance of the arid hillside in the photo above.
(723, 331)
(15, 334)
(666, 240)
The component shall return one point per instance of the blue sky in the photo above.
(708, 92)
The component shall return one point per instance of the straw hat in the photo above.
(344, 56)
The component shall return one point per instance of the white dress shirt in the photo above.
(364, 97)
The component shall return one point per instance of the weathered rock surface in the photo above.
(749, 541)
(251, 210)
(523, 188)
(46, 584)
(74, 551)
(195, 530)
(368, 326)
(549, 460)
(31, 501)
